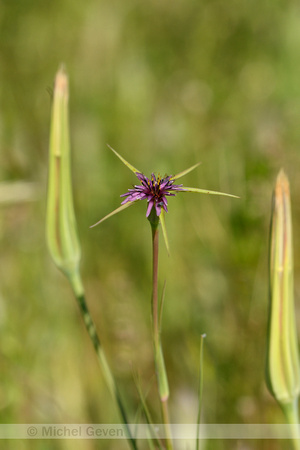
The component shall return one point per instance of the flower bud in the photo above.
(61, 230)
(282, 369)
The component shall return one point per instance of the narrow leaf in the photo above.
(162, 378)
(154, 438)
(205, 191)
(130, 166)
(184, 172)
(164, 230)
(116, 211)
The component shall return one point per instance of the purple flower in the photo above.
(155, 191)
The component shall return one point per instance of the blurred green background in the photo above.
(167, 84)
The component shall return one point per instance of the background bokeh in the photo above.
(167, 84)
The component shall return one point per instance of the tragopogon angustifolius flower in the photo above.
(155, 190)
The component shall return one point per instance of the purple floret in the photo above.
(154, 190)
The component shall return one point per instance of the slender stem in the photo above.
(155, 245)
(200, 388)
(166, 421)
(291, 413)
(158, 354)
(78, 289)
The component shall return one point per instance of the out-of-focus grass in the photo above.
(167, 85)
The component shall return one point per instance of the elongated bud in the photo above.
(282, 370)
(61, 231)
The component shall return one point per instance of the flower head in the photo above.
(155, 190)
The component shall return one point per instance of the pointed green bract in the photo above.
(116, 211)
(206, 191)
(164, 230)
(130, 166)
(186, 171)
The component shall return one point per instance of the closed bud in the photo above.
(61, 230)
(282, 370)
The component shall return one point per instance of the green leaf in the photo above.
(116, 211)
(130, 166)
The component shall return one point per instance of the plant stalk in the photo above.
(161, 374)
(200, 389)
(290, 411)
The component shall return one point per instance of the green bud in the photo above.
(61, 230)
(282, 369)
